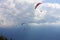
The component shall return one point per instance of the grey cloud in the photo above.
(48, 18)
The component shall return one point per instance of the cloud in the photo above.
(39, 14)
(48, 14)
(14, 12)
(28, 1)
(50, 17)
(45, 24)
(6, 21)
(53, 5)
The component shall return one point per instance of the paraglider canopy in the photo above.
(37, 5)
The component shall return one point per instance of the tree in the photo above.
(3, 38)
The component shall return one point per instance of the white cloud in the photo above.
(33, 24)
(28, 1)
(53, 12)
(13, 12)
(52, 5)
(50, 17)
(39, 14)
(8, 13)
(4, 21)
(44, 24)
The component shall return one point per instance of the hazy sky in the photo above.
(14, 12)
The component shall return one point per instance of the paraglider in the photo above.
(24, 27)
(37, 5)
(22, 23)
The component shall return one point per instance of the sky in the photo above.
(15, 12)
